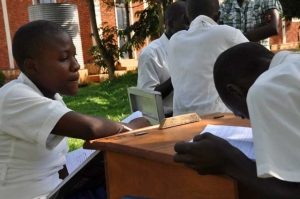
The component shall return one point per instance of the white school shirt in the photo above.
(192, 55)
(153, 68)
(274, 107)
(30, 157)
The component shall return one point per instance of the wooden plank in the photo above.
(129, 175)
(179, 120)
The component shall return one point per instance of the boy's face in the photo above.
(57, 67)
(238, 106)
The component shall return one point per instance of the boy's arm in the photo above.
(209, 154)
(270, 27)
(165, 88)
(84, 127)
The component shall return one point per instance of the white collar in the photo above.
(25, 80)
(202, 20)
(164, 40)
(280, 57)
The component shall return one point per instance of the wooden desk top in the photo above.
(157, 144)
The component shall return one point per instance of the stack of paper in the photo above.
(239, 137)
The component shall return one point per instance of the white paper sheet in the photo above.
(239, 137)
(78, 156)
(134, 115)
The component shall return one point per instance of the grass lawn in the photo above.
(107, 99)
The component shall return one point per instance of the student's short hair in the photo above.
(174, 9)
(244, 60)
(202, 7)
(30, 39)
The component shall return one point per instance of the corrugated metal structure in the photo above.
(65, 15)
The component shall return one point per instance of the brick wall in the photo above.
(17, 15)
(3, 44)
(107, 14)
(292, 32)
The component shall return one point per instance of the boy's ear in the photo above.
(30, 66)
(170, 24)
(217, 17)
(236, 91)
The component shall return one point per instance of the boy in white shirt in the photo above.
(34, 121)
(264, 88)
(192, 55)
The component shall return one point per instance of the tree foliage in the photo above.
(291, 8)
(147, 25)
(107, 36)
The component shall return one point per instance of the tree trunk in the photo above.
(128, 24)
(109, 60)
(160, 11)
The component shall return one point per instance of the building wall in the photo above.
(3, 44)
(21, 8)
(18, 15)
(292, 32)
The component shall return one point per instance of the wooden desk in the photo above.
(143, 165)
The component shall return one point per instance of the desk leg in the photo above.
(129, 175)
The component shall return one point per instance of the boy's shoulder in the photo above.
(15, 87)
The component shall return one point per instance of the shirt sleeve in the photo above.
(272, 4)
(29, 116)
(274, 113)
(148, 77)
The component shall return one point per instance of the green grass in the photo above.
(107, 99)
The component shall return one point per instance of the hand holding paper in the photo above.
(210, 154)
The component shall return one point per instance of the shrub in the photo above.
(2, 78)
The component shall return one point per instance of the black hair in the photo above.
(242, 61)
(174, 9)
(31, 38)
(202, 7)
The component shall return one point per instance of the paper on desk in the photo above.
(134, 115)
(76, 158)
(239, 137)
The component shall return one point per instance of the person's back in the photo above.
(153, 69)
(153, 66)
(192, 55)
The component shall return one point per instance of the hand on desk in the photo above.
(208, 154)
(138, 123)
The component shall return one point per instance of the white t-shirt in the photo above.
(153, 68)
(274, 108)
(192, 55)
(30, 157)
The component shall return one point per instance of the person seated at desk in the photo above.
(153, 67)
(34, 121)
(264, 88)
(192, 55)
(257, 19)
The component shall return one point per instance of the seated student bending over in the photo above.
(192, 55)
(153, 67)
(264, 88)
(34, 121)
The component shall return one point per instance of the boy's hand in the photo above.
(138, 123)
(208, 154)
